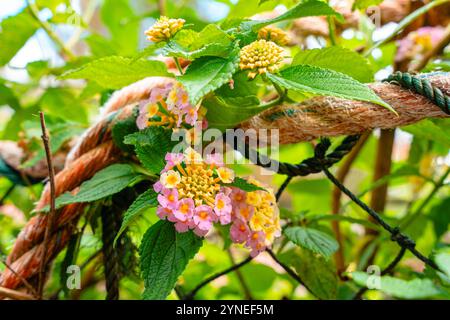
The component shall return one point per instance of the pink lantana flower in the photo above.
(204, 217)
(185, 209)
(169, 199)
(256, 242)
(222, 208)
(239, 231)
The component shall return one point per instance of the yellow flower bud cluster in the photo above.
(260, 57)
(277, 35)
(164, 29)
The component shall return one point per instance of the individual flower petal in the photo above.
(256, 242)
(215, 160)
(222, 205)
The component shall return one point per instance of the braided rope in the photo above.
(422, 86)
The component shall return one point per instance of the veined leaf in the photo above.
(399, 288)
(144, 201)
(325, 82)
(338, 59)
(308, 8)
(224, 113)
(15, 32)
(188, 44)
(115, 72)
(318, 274)
(151, 146)
(164, 256)
(104, 183)
(207, 74)
(313, 240)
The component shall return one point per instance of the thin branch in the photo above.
(162, 7)
(245, 288)
(289, 271)
(15, 295)
(192, 294)
(52, 214)
(283, 187)
(65, 52)
(439, 184)
(7, 193)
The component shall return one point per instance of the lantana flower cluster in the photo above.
(164, 29)
(195, 193)
(169, 106)
(260, 57)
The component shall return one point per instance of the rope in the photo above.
(422, 86)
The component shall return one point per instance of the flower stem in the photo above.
(177, 63)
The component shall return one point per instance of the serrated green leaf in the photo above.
(318, 274)
(325, 82)
(224, 113)
(308, 8)
(399, 288)
(151, 146)
(14, 33)
(207, 74)
(188, 44)
(244, 185)
(123, 128)
(338, 59)
(312, 239)
(115, 72)
(104, 183)
(164, 256)
(144, 201)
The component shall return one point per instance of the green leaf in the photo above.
(207, 74)
(64, 104)
(164, 256)
(325, 82)
(123, 25)
(123, 128)
(115, 72)
(14, 33)
(244, 185)
(144, 201)
(151, 146)
(338, 59)
(442, 260)
(224, 113)
(308, 8)
(440, 217)
(312, 239)
(104, 183)
(428, 130)
(188, 44)
(7, 97)
(364, 4)
(399, 288)
(318, 274)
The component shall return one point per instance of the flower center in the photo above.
(197, 183)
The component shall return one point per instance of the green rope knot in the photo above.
(421, 86)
